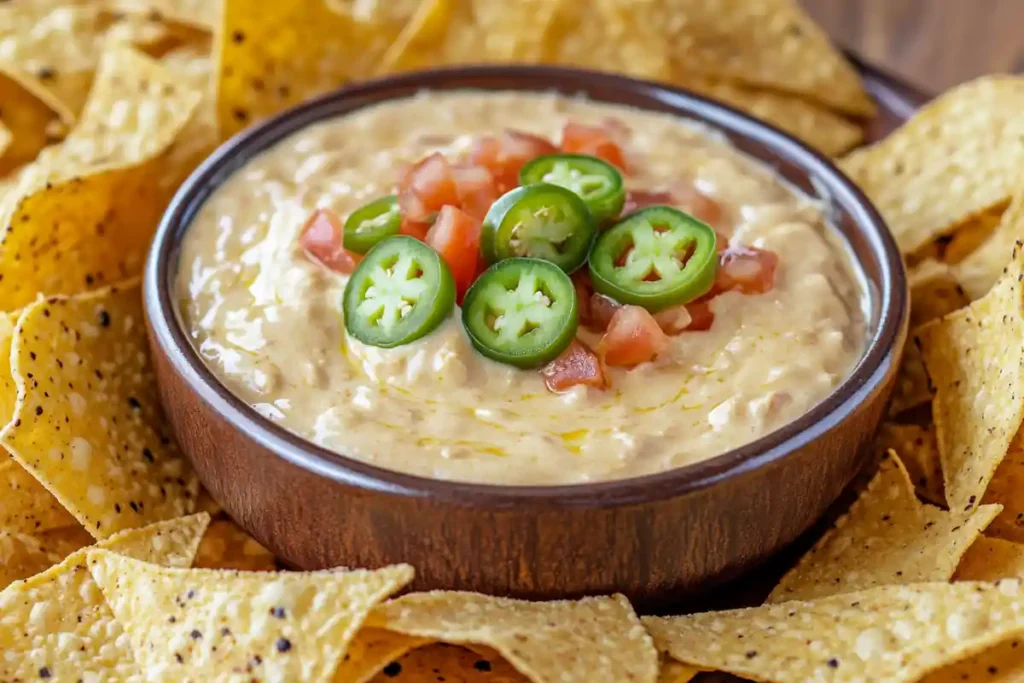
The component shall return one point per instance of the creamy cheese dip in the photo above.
(268, 321)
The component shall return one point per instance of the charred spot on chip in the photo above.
(482, 665)
(237, 37)
(277, 612)
(240, 115)
(392, 670)
(283, 645)
(195, 634)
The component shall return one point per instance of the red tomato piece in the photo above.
(426, 187)
(584, 290)
(575, 366)
(505, 156)
(322, 239)
(474, 186)
(597, 141)
(747, 270)
(633, 337)
(700, 206)
(602, 310)
(414, 229)
(455, 235)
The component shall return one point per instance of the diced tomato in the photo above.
(674, 319)
(455, 235)
(505, 156)
(602, 310)
(584, 290)
(474, 186)
(414, 229)
(598, 141)
(426, 187)
(575, 366)
(699, 205)
(746, 269)
(701, 315)
(322, 239)
(641, 199)
(633, 337)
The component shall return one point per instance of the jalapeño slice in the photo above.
(521, 311)
(598, 183)
(401, 291)
(542, 221)
(655, 258)
(371, 223)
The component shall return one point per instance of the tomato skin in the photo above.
(414, 229)
(597, 141)
(322, 238)
(455, 235)
(475, 188)
(576, 366)
(427, 187)
(584, 290)
(505, 156)
(747, 270)
(602, 310)
(633, 337)
(701, 315)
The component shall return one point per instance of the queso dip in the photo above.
(780, 328)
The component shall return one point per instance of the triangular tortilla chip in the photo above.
(913, 387)
(84, 214)
(975, 359)
(583, 640)
(226, 546)
(288, 51)
(919, 453)
(1003, 663)
(890, 633)
(934, 292)
(30, 124)
(981, 269)
(886, 537)
(205, 624)
(956, 158)
(449, 664)
(22, 555)
(1007, 489)
(88, 424)
(203, 14)
(991, 559)
(58, 621)
(371, 651)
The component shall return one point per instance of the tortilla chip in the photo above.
(886, 537)
(588, 639)
(287, 52)
(25, 505)
(192, 64)
(448, 663)
(889, 633)
(934, 292)
(966, 237)
(960, 156)
(913, 387)
(227, 546)
(209, 623)
(84, 214)
(1007, 489)
(991, 559)
(814, 125)
(59, 621)
(371, 651)
(203, 14)
(22, 555)
(27, 121)
(919, 453)
(1003, 663)
(975, 358)
(88, 424)
(981, 269)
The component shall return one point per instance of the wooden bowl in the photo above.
(651, 537)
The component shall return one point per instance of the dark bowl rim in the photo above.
(878, 361)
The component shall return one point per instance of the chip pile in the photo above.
(116, 565)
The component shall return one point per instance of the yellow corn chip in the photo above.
(965, 238)
(934, 292)
(447, 663)
(205, 624)
(27, 121)
(227, 546)
(913, 387)
(919, 453)
(890, 633)
(981, 269)
(371, 651)
(991, 559)
(886, 537)
(84, 215)
(289, 51)
(88, 423)
(199, 137)
(675, 672)
(1007, 489)
(958, 157)
(771, 44)
(820, 128)
(22, 555)
(1003, 663)
(975, 358)
(58, 621)
(585, 640)
(203, 14)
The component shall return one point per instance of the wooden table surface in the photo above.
(933, 44)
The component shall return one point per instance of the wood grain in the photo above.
(934, 44)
